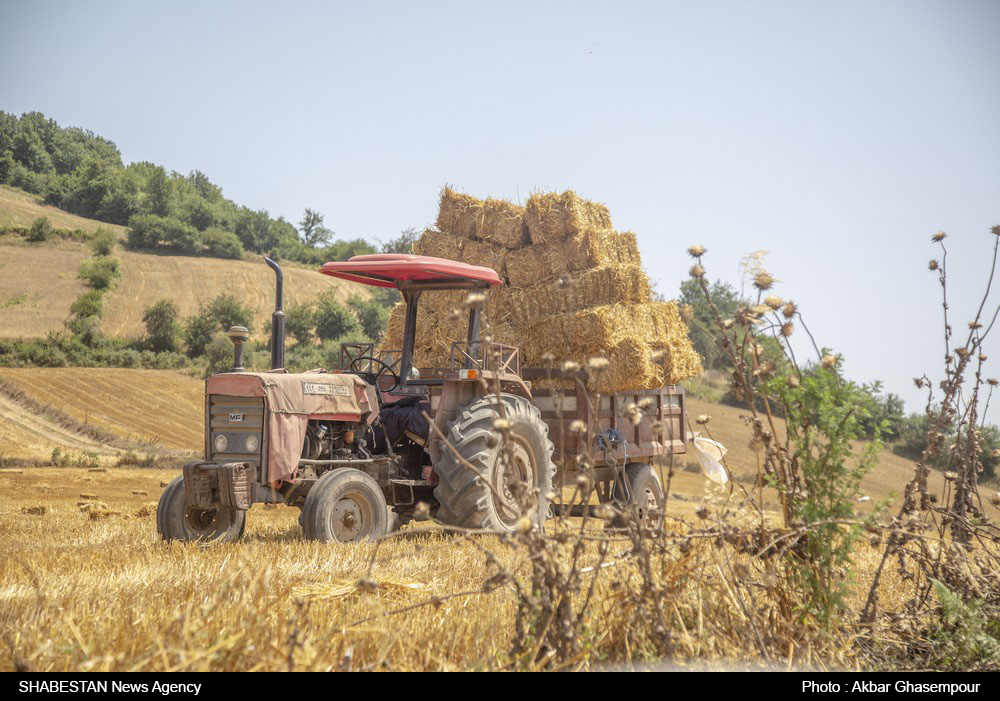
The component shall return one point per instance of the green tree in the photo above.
(227, 311)
(402, 243)
(99, 272)
(726, 300)
(333, 320)
(198, 332)
(312, 231)
(162, 328)
(221, 243)
(300, 319)
(41, 230)
(103, 242)
(371, 315)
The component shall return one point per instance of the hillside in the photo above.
(19, 208)
(46, 274)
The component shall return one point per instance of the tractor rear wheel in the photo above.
(506, 463)
(645, 503)
(175, 520)
(345, 506)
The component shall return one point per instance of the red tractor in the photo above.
(364, 449)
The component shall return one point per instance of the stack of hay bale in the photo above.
(575, 289)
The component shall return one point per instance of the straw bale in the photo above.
(577, 290)
(441, 244)
(589, 249)
(628, 334)
(552, 217)
(494, 220)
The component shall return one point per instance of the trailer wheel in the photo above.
(465, 497)
(345, 506)
(645, 504)
(175, 520)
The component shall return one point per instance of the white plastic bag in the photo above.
(710, 454)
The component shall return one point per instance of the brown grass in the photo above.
(162, 408)
(19, 208)
(46, 276)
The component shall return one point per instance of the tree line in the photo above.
(83, 173)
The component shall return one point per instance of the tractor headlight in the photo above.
(221, 443)
(252, 444)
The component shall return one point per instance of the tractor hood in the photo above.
(292, 400)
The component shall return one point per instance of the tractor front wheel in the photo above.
(345, 506)
(488, 477)
(175, 520)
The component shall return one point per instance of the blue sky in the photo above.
(837, 136)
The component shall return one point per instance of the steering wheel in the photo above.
(384, 368)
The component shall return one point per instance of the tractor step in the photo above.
(404, 492)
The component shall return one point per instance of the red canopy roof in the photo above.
(389, 269)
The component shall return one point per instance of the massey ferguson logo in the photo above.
(235, 418)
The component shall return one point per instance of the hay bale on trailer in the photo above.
(496, 221)
(552, 217)
(576, 291)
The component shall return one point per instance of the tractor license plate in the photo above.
(323, 388)
(235, 418)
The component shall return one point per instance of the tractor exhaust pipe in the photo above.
(277, 320)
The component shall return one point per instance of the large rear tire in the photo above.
(345, 506)
(465, 497)
(175, 520)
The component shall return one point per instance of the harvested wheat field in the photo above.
(87, 586)
(157, 409)
(46, 276)
(42, 279)
(575, 288)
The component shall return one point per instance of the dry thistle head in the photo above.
(578, 427)
(598, 363)
(570, 366)
(697, 271)
(454, 315)
(789, 310)
(727, 324)
(687, 312)
(702, 419)
(975, 325)
(951, 476)
(774, 302)
(938, 236)
(763, 280)
(634, 414)
(501, 424)
(787, 329)
(696, 251)
(475, 299)
(962, 352)
(645, 403)
(932, 265)
(548, 358)
(792, 381)
(919, 382)
(992, 382)
(702, 512)
(996, 230)
(523, 525)
(829, 361)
